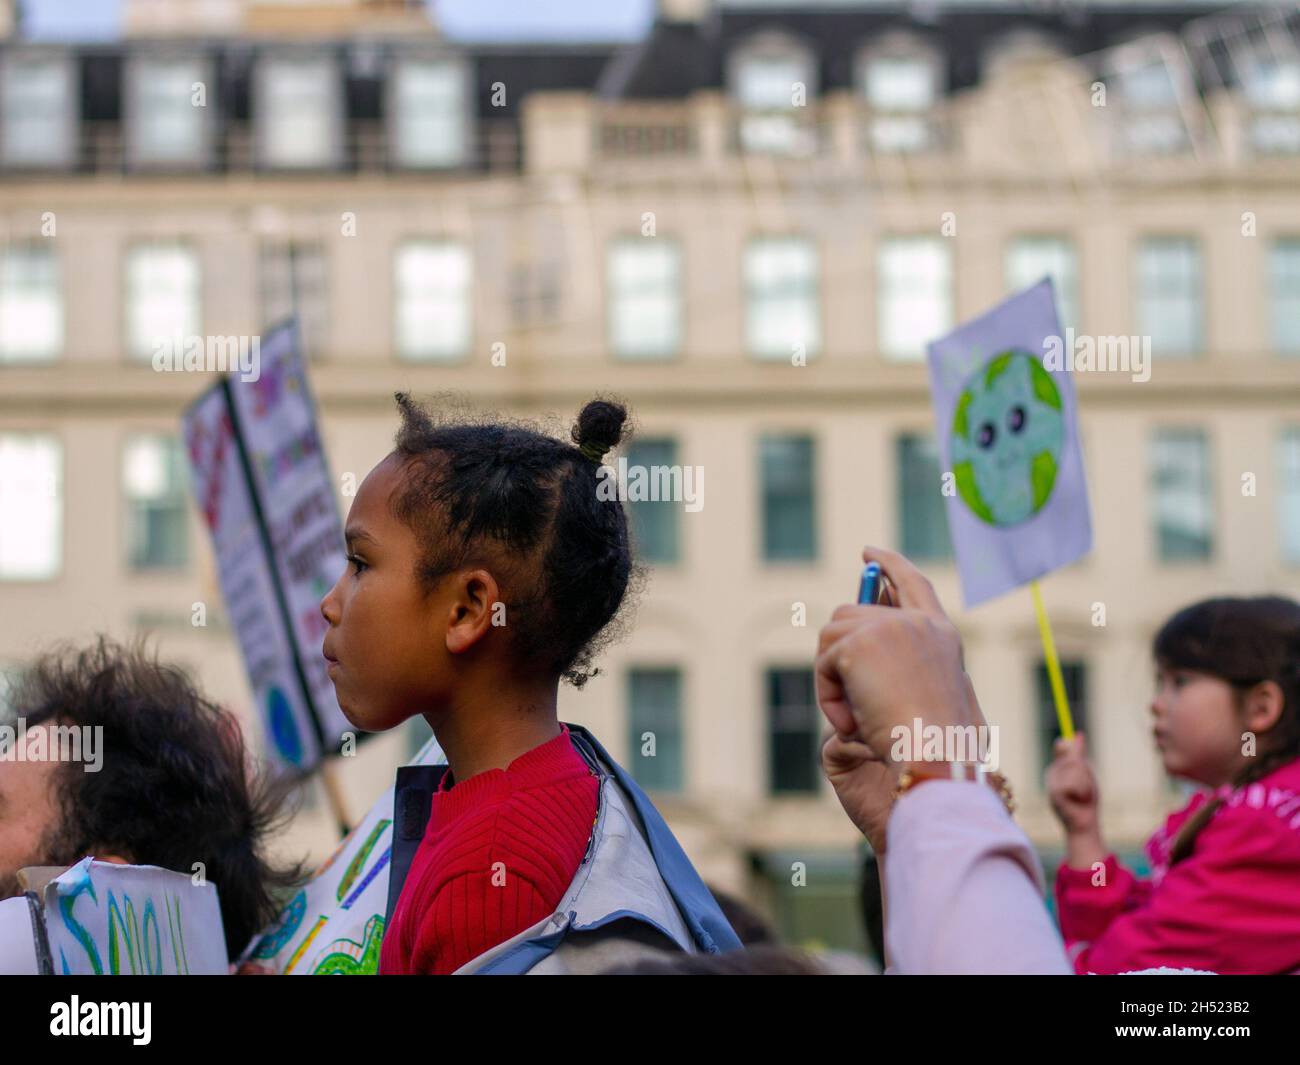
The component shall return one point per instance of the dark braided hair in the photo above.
(524, 504)
(1244, 642)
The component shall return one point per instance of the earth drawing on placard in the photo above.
(1007, 432)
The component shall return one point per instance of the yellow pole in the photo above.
(1053, 666)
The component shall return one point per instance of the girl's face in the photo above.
(1197, 724)
(387, 656)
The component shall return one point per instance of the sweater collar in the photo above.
(542, 764)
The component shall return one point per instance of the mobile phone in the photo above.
(872, 587)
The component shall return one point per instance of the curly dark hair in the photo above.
(175, 785)
(508, 496)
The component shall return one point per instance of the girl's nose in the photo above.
(329, 606)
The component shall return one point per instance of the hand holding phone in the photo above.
(871, 589)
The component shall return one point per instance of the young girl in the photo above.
(483, 566)
(1224, 894)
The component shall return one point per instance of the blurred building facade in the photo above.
(747, 225)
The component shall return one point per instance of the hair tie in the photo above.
(593, 451)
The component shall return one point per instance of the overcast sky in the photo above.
(465, 19)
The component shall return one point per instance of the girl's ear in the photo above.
(1264, 704)
(472, 609)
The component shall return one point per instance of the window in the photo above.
(645, 298)
(31, 304)
(655, 523)
(1284, 271)
(293, 281)
(1152, 119)
(1289, 498)
(655, 728)
(1181, 482)
(299, 112)
(914, 294)
(1075, 676)
(429, 114)
(794, 732)
(433, 300)
(162, 297)
(1169, 295)
(153, 481)
(1030, 259)
(900, 90)
(789, 508)
(1272, 85)
(769, 78)
(31, 507)
(38, 110)
(922, 514)
(781, 311)
(165, 127)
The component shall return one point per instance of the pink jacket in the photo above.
(1231, 906)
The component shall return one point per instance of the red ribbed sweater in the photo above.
(500, 850)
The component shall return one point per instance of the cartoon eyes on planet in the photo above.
(988, 432)
(1007, 432)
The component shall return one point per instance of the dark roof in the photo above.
(678, 58)
(522, 68)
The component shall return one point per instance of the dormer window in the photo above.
(38, 110)
(298, 110)
(901, 82)
(773, 78)
(167, 112)
(428, 113)
(1272, 88)
(1148, 99)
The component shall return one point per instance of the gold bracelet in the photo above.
(918, 772)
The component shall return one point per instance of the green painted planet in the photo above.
(1007, 433)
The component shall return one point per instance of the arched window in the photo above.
(900, 77)
(772, 77)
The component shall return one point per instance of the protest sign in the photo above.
(334, 926)
(292, 482)
(1008, 435)
(17, 937)
(262, 484)
(107, 919)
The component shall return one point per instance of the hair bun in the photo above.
(599, 427)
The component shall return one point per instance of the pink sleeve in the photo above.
(963, 889)
(1228, 908)
(1087, 900)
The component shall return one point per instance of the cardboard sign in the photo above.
(18, 917)
(1008, 435)
(334, 926)
(104, 919)
(292, 482)
(260, 479)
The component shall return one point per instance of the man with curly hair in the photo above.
(169, 783)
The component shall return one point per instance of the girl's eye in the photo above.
(986, 435)
(1016, 419)
(357, 564)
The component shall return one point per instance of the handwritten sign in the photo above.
(261, 481)
(105, 919)
(1008, 433)
(334, 926)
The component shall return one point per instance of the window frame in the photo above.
(134, 75)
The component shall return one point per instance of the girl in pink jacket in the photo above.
(1224, 894)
